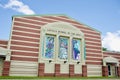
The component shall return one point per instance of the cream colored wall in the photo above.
(1, 65)
(94, 70)
(64, 68)
(23, 68)
(49, 67)
(78, 69)
(113, 70)
(69, 31)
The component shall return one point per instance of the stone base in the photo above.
(57, 73)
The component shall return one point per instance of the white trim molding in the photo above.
(110, 60)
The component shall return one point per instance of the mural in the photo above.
(49, 50)
(76, 49)
(63, 48)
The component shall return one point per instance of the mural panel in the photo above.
(63, 48)
(76, 49)
(49, 50)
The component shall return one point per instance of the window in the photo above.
(61, 41)
(49, 46)
(63, 48)
(76, 49)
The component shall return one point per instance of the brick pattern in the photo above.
(71, 70)
(57, 69)
(26, 32)
(41, 69)
(49, 74)
(84, 70)
(64, 75)
(3, 43)
(77, 75)
(118, 71)
(104, 71)
(6, 68)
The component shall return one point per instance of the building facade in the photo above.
(55, 45)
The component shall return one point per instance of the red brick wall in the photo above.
(3, 43)
(6, 68)
(84, 70)
(41, 69)
(104, 71)
(71, 70)
(57, 69)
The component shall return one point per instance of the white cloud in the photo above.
(18, 6)
(111, 41)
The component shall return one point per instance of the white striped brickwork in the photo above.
(25, 38)
(23, 68)
(94, 70)
(3, 43)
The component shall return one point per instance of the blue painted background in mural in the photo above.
(76, 49)
(63, 48)
(49, 51)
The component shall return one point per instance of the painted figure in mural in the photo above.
(76, 49)
(63, 44)
(49, 47)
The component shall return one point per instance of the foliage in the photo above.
(54, 78)
(104, 49)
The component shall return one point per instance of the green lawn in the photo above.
(58, 78)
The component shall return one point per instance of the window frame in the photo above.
(62, 29)
(71, 56)
(44, 47)
(59, 48)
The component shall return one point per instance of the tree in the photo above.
(104, 49)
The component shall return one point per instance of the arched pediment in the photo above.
(62, 27)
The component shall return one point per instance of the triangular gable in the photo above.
(79, 22)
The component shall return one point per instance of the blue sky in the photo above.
(103, 15)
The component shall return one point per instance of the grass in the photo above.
(58, 78)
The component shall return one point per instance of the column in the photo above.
(71, 70)
(84, 70)
(41, 68)
(104, 71)
(6, 68)
(57, 69)
(118, 71)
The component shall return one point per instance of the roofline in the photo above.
(3, 40)
(84, 24)
(58, 15)
(39, 15)
(112, 52)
